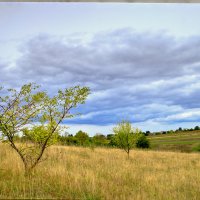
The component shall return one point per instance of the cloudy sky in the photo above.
(141, 61)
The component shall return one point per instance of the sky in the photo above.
(141, 61)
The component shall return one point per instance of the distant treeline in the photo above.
(179, 130)
(83, 139)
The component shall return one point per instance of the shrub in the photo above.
(196, 147)
(99, 140)
(142, 142)
(82, 138)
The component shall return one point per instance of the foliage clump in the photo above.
(196, 147)
(142, 142)
(82, 138)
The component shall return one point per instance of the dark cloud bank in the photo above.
(139, 76)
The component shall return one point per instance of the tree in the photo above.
(126, 136)
(82, 137)
(37, 117)
(147, 133)
(196, 128)
(180, 129)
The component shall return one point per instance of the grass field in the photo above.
(182, 141)
(83, 173)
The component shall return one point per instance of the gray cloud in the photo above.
(116, 55)
(127, 71)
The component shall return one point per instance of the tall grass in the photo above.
(83, 173)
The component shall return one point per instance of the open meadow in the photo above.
(100, 101)
(102, 173)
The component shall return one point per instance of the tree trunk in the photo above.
(128, 153)
(28, 172)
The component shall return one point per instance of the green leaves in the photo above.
(75, 95)
(19, 108)
(58, 107)
(38, 135)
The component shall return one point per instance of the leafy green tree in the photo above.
(180, 129)
(126, 136)
(37, 117)
(82, 137)
(147, 133)
(196, 128)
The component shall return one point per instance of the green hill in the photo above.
(181, 141)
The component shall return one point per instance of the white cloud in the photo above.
(187, 114)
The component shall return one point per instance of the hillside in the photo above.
(100, 173)
(187, 141)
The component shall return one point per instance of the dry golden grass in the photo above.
(83, 173)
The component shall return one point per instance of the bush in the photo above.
(196, 128)
(142, 142)
(99, 140)
(196, 147)
(82, 138)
